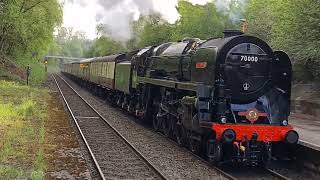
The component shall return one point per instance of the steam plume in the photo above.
(117, 15)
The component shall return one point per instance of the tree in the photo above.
(70, 43)
(104, 46)
(26, 27)
(260, 17)
(200, 21)
(152, 30)
(290, 25)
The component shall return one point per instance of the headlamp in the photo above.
(292, 137)
(229, 136)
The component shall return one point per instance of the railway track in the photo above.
(113, 156)
(229, 173)
(254, 173)
(276, 174)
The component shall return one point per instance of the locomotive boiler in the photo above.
(227, 99)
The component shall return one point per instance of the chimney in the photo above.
(244, 25)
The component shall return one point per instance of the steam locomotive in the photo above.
(227, 99)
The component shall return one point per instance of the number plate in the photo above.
(249, 58)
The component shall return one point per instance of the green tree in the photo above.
(104, 46)
(26, 27)
(152, 30)
(260, 17)
(201, 21)
(292, 26)
(70, 43)
(26, 32)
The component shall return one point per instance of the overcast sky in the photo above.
(84, 15)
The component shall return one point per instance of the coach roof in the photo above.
(114, 57)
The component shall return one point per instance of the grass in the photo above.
(23, 112)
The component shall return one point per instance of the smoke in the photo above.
(80, 2)
(222, 5)
(235, 13)
(232, 8)
(116, 16)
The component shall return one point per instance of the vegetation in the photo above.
(26, 31)
(22, 117)
(151, 30)
(104, 46)
(70, 43)
(204, 22)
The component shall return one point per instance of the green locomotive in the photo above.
(225, 99)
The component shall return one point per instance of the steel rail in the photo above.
(80, 131)
(150, 164)
(276, 174)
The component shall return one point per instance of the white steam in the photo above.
(118, 15)
(235, 13)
